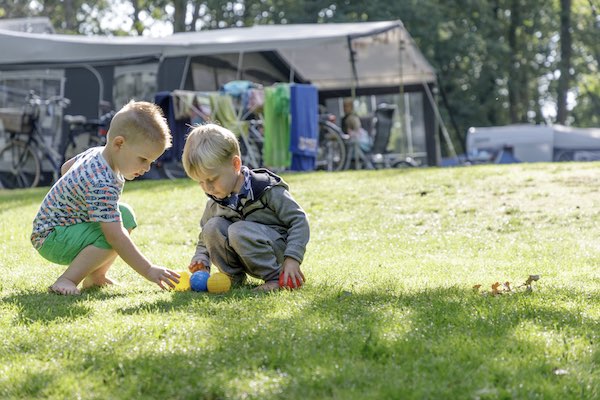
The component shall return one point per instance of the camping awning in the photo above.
(330, 56)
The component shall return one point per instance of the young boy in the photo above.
(251, 224)
(81, 222)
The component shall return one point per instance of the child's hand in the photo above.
(163, 277)
(196, 266)
(291, 269)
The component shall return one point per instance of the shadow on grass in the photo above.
(435, 343)
(47, 307)
(185, 300)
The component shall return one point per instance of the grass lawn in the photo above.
(388, 310)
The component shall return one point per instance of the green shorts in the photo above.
(65, 242)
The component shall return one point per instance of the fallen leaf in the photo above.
(495, 287)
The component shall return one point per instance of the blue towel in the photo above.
(179, 128)
(304, 129)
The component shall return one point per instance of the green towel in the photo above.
(276, 147)
(223, 111)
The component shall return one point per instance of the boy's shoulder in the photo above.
(262, 179)
(91, 167)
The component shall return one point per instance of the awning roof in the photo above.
(383, 53)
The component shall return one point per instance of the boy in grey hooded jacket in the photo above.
(251, 223)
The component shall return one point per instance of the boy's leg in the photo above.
(98, 277)
(85, 249)
(260, 249)
(214, 236)
(87, 261)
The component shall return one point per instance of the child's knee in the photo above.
(238, 232)
(215, 227)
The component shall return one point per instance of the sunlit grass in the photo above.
(387, 311)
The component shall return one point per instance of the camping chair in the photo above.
(381, 130)
(367, 124)
(384, 117)
(379, 155)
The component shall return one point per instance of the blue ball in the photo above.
(199, 280)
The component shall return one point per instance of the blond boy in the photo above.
(251, 224)
(81, 223)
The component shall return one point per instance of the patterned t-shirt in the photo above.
(88, 192)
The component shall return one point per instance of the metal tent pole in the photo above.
(440, 121)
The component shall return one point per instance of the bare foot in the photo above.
(64, 286)
(91, 281)
(268, 286)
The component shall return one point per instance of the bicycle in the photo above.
(22, 156)
(85, 133)
(251, 143)
(331, 154)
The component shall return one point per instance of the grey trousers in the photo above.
(244, 247)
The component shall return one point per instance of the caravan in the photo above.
(534, 143)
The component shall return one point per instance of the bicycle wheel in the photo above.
(19, 165)
(81, 143)
(331, 155)
(173, 169)
(407, 162)
(251, 150)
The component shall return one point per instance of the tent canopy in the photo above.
(331, 56)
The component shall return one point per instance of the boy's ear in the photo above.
(118, 141)
(237, 163)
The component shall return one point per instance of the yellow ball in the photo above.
(218, 283)
(184, 282)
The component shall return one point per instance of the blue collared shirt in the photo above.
(234, 200)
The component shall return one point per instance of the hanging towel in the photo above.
(223, 111)
(276, 145)
(183, 103)
(179, 127)
(304, 129)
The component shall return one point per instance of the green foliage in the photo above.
(496, 60)
(387, 310)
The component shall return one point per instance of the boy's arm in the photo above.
(67, 165)
(294, 218)
(201, 259)
(120, 241)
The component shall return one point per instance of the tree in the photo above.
(565, 61)
(497, 60)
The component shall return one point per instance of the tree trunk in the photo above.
(565, 61)
(70, 23)
(137, 24)
(513, 70)
(195, 15)
(179, 16)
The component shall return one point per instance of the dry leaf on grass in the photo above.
(504, 288)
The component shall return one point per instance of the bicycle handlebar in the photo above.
(36, 101)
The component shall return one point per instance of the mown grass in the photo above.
(387, 311)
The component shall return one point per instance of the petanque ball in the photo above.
(218, 283)
(184, 282)
(289, 284)
(198, 281)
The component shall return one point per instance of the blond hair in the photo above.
(141, 121)
(208, 147)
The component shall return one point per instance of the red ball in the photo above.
(289, 284)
